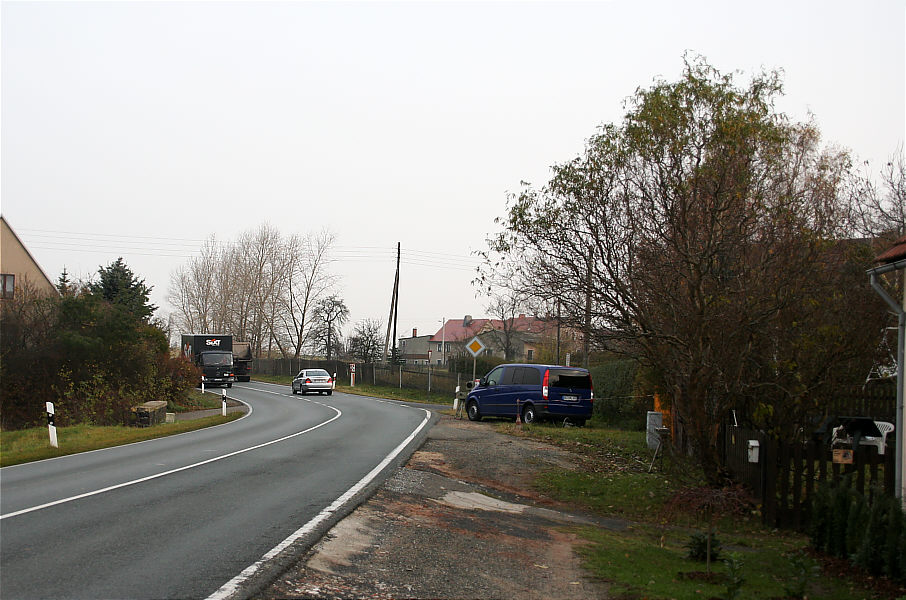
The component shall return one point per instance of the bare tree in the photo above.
(505, 306)
(262, 288)
(367, 341)
(330, 314)
(193, 290)
(310, 278)
(884, 209)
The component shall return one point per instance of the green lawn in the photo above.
(649, 560)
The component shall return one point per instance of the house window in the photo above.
(9, 286)
(529, 355)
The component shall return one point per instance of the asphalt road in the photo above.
(202, 514)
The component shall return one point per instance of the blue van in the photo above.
(535, 392)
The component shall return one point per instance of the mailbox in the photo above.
(753, 451)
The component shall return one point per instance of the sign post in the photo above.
(351, 374)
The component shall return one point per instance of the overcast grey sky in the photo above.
(140, 129)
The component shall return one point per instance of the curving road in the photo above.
(202, 514)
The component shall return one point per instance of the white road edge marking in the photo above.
(172, 471)
(232, 586)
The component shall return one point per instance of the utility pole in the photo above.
(396, 299)
(443, 341)
(390, 318)
(591, 257)
(558, 331)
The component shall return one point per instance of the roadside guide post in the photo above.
(51, 428)
(429, 371)
(223, 402)
(351, 374)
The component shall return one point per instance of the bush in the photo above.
(698, 547)
(92, 358)
(870, 530)
(483, 365)
(804, 571)
(616, 400)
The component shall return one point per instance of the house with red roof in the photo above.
(523, 337)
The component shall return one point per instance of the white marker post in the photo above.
(333, 384)
(51, 428)
(223, 402)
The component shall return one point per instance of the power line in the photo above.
(172, 247)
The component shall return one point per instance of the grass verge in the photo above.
(28, 445)
(196, 401)
(650, 558)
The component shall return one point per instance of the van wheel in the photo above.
(528, 414)
(295, 392)
(474, 413)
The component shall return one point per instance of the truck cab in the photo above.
(213, 355)
(217, 368)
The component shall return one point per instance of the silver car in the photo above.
(313, 380)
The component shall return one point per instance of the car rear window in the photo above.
(316, 373)
(570, 379)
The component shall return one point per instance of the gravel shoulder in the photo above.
(459, 520)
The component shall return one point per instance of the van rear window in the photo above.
(524, 376)
(570, 379)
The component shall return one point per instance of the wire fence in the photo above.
(415, 377)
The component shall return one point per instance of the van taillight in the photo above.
(307, 380)
(330, 380)
(591, 387)
(544, 384)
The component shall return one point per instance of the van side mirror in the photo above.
(483, 382)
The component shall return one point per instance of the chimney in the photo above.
(522, 316)
(414, 332)
(467, 321)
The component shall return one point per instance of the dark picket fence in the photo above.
(788, 473)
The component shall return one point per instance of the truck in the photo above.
(213, 354)
(242, 360)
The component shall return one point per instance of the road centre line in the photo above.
(172, 471)
(232, 586)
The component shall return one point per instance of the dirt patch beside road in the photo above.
(460, 520)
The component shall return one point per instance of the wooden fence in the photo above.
(787, 475)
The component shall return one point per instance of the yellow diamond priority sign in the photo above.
(475, 347)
